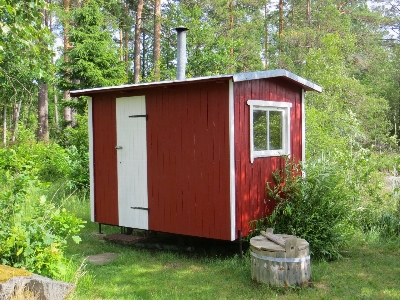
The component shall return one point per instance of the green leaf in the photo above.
(76, 239)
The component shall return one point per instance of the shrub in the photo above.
(48, 161)
(75, 141)
(316, 207)
(33, 231)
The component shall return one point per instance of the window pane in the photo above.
(260, 129)
(275, 130)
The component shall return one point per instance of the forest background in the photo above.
(47, 48)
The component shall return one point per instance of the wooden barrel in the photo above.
(285, 265)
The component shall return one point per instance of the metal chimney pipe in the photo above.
(181, 59)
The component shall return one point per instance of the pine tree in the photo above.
(93, 57)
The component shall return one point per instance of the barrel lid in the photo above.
(262, 243)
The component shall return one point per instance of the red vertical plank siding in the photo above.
(188, 160)
(251, 202)
(105, 159)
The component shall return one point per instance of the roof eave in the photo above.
(129, 87)
(307, 85)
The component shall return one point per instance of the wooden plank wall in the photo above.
(188, 160)
(251, 202)
(105, 159)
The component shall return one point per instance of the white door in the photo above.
(132, 162)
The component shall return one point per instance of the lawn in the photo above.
(369, 269)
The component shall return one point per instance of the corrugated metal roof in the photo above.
(307, 85)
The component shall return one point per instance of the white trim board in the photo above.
(303, 125)
(232, 160)
(91, 158)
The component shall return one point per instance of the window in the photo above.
(269, 128)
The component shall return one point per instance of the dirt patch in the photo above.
(123, 238)
(172, 265)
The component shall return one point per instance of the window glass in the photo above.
(275, 130)
(260, 130)
(267, 129)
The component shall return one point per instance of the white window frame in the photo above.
(267, 105)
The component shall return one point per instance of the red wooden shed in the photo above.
(192, 156)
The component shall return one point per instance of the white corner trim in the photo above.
(91, 157)
(232, 160)
(303, 126)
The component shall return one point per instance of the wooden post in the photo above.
(240, 244)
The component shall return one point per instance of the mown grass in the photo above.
(370, 269)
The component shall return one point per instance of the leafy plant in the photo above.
(75, 141)
(33, 230)
(315, 207)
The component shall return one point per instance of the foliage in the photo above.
(76, 143)
(215, 45)
(93, 59)
(20, 22)
(316, 207)
(381, 215)
(34, 231)
(46, 161)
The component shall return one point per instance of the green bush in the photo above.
(48, 161)
(382, 216)
(75, 141)
(33, 230)
(316, 207)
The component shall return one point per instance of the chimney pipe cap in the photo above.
(181, 29)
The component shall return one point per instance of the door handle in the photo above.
(118, 147)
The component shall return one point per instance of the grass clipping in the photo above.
(7, 272)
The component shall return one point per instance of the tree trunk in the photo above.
(280, 24)
(56, 119)
(121, 45)
(266, 36)
(280, 18)
(138, 26)
(157, 39)
(231, 31)
(5, 124)
(43, 105)
(309, 13)
(143, 54)
(126, 41)
(67, 110)
(16, 113)
(43, 100)
(54, 86)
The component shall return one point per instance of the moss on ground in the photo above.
(7, 272)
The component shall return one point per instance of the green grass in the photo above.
(370, 269)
